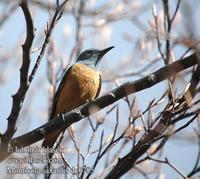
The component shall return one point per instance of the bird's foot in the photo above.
(89, 101)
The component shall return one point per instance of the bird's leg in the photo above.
(89, 101)
(63, 116)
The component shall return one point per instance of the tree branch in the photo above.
(148, 139)
(25, 78)
(81, 112)
(18, 98)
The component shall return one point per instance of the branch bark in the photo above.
(65, 120)
(25, 78)
(165, 120)
(18, 98)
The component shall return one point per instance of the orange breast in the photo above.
(81, 84)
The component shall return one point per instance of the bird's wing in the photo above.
(99, 89)
(59, 89)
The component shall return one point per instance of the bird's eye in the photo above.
(87, 53)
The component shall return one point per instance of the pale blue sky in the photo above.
(180, 153)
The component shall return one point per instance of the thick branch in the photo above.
(25, 78)
(18, 98)
(165, 120)
(81, 112)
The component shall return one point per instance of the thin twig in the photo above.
(166, 161)
(49, 30)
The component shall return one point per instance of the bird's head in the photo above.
(92, 57)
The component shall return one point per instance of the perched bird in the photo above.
(80, 83)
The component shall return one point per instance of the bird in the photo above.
(80, 83)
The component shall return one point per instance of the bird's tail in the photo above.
(51, 139)
(48, 142)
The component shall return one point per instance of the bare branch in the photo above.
(56, 17)
(25, 78)
(166, 161)
(118, 93)
(18, 98)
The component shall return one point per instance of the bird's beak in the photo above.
(103, 52)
